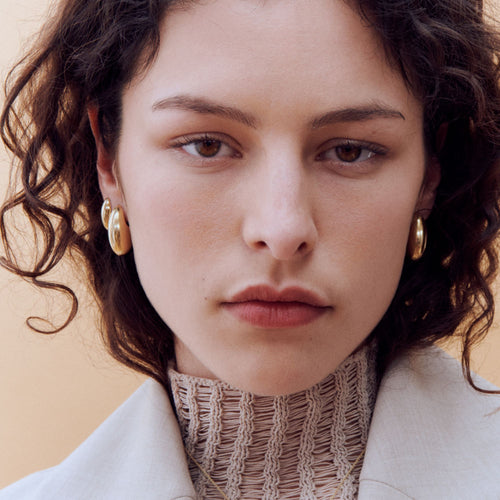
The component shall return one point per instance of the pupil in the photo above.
(208, 147)
(348, 153)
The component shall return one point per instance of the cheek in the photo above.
(171, 216)
(179, 232)
(367, 247)
(381, 233)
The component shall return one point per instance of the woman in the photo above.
(267, 173)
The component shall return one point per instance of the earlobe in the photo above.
(108, 181)
(417, 237)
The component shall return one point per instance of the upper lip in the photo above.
(265, 293)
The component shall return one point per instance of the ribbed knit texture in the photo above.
(299, 446)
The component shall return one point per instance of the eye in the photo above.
(349, 151)
(205, 147)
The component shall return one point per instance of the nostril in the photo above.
(276, 248)
(293, 238)
(302, 247)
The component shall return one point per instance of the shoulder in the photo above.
(432, 435)
(136, 453)
(435, 380)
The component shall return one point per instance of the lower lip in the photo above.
(275, 314)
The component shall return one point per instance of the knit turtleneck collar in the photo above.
(299, 446)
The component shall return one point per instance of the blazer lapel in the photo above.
(431, 435)
(137, 453)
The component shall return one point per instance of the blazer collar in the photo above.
(432, 435)
(136, 453)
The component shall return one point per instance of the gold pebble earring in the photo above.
(118, 231)
(106, 212)
(417, 239)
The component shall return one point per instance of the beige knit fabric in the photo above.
(299, 446)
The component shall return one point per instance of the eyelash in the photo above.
(373, 150)
(184, 141)
(366, 148)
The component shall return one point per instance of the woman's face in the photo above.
(270, 163)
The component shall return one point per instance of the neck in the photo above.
(296, 446)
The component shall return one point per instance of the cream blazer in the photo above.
(432, 437)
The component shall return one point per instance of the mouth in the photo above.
(266, 307)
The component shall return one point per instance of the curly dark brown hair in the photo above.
(448, 55)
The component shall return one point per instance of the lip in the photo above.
(266, 307)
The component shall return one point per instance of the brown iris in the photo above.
(348, 153)
(208, 147)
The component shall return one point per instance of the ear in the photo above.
(106, 171)
(429, 187)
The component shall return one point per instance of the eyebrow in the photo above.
(205, 106)
(356, 114)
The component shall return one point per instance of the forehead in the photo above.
(304, 52)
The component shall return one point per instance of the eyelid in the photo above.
(186, 139)
(375, 148)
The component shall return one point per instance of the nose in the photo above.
(280, 220)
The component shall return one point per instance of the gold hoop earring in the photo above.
(119, 232)
(417, 239)
(105, 212)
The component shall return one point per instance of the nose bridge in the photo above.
(282, 221)
(284, 190)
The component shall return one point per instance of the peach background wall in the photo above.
(54, 391)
